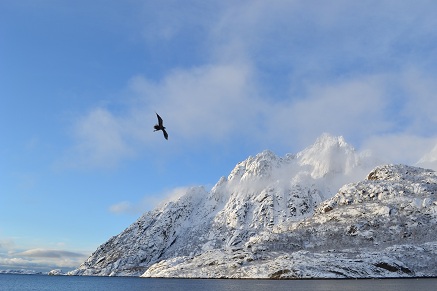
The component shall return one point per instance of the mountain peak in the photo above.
(329, 154)
(259, 166)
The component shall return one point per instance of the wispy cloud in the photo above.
(149, 202)
(401, 148)
(420, 100)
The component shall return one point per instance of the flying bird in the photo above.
(160, 126)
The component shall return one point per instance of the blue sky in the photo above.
(80, 82)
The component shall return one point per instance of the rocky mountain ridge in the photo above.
(282, 217)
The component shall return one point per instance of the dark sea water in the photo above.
(66, 283)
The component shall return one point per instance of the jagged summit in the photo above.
(275, 214)
(259, 166)
(329, 154)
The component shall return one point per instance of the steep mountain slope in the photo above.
(261, 195)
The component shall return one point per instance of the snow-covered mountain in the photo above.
(285, 217)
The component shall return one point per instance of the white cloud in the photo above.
(100, 140)
(429, 160)
(149, 202)
(399, 148)
(122, 207)
(352, 108)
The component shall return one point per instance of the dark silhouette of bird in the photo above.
(160, 126)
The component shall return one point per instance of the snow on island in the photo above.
(55, 272)
(20, 272)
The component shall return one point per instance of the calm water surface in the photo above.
(66, 283)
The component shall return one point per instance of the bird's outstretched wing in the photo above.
(160, 122)
(160, 126)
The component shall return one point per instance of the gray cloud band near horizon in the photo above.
(39, 258)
